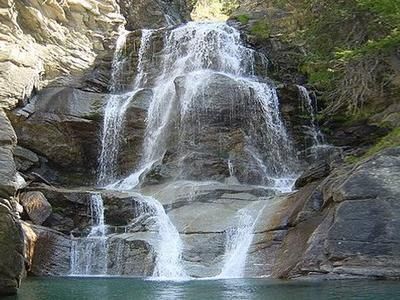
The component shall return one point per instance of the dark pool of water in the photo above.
(243, 289)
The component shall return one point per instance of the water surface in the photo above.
(132, 288)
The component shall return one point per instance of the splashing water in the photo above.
(238, 242)
(193, 55)
(89, 255)
(168, 264)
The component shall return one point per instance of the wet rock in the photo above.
(120, 208)
(11, 250)
(68, 121)
(48, 251)
(36, 206)
(133, 131)
(203, 253)
(314, 173)
(203, 214)
(346, 226)
(153, 13)
(70, 208)
(215, 130)
(132, 254)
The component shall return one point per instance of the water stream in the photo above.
(194, 57)
(89, 254)
(239, 238)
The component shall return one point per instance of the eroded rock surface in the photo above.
(11, 249)
(341, 226)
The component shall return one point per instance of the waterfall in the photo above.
(197, 52)
(114, 112)
(315, 132)
(239, 238)
(89, 255)
(193, 57)
(112, 116)
(168, 264)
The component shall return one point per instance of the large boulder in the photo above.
(68, 121)
(11, 250)
(132, 254)
(219, 127)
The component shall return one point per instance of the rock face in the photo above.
(11, 238)
(47, 41)
(11, 250)
(152, 14)
(47, 251)
(68, 120)
(342, 226)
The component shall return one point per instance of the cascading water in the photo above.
(239, 239)
(112, 116)
(317, 137)
(196, 53)
(89, 255)
(168, 264)
(193, 58)
(115, 109)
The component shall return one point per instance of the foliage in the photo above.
(213, 9)
(243, 19)
(260, 29)
(390, 140)
(349, 43)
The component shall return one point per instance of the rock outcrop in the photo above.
(11, 249)
(11, 238)
(342, 226)
(45, 43)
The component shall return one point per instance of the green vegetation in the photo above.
(213, 9)
(390, 140)
(350, 43)
(243, 19)
(260, 29)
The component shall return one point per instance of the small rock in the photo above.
(25, 159)
(36, 206)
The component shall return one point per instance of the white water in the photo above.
(196, 53)
(114, 113)
(168, 264)
(317, 137)
(239, 238)
(89, 254)
(112, 116)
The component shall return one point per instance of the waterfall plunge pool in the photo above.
(134, 288)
